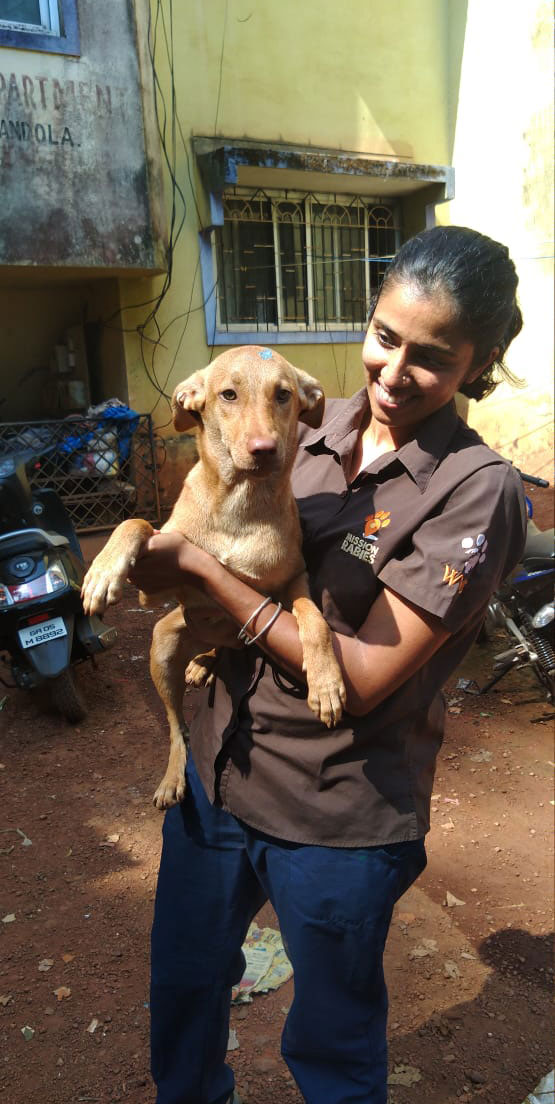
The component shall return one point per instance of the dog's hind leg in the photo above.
(200, 670)
(171, 650)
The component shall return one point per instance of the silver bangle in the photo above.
(265, 628)
(242, 634)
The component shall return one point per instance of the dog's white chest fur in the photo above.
(257, 544)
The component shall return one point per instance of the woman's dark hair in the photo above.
(480, 278)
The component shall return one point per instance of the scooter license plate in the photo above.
(42, 632)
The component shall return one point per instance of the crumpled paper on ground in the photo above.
(267, 965)
(544, 1093)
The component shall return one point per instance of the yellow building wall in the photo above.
(503, 158)
(345, 77)
(435, 81)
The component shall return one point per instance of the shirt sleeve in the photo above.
(460, 554)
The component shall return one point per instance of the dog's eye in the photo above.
(229, 395)
(282, 395)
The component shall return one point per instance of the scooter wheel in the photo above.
(67, 699)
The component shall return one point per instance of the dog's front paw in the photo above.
(327, 700)
(103, 585)
(170, 791)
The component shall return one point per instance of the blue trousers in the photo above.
(334, 907)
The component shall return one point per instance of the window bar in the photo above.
(300, 293)
(305, 298)
(367, 277)
(328, 257)
(323, 275)
(309, 273)
(348, 276)
(237, 265)
(277, 257)
(355, 278)
(337, 263)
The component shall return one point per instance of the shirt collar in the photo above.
(420, 456)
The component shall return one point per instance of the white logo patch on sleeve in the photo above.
(474, 550)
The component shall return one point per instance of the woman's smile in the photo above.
(390, 400)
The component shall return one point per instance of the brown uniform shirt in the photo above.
(440, 522)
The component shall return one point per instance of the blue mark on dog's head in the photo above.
(266, 354)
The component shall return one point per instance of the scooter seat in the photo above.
(539, 563)
(539, 543)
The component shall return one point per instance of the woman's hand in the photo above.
(167, 562)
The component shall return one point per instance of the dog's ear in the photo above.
(188, 401)
(312, 399)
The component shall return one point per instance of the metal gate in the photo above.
(103, 468)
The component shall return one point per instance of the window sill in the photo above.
(287, 337)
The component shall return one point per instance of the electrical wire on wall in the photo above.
(160, 32)
(165, 121)
(164, 111)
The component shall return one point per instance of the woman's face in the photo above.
(415, 358)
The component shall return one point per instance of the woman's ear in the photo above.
(478, 370)
(312, 399)
(188, 401)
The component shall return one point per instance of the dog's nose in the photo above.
(261, 445)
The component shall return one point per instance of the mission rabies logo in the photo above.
(365, 548)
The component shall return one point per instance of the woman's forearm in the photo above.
(394, 642)
(239, 600)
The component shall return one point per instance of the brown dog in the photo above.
(236, 503)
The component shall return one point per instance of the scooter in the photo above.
(43, 629)
(524, 607)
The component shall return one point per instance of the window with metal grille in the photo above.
(293, 261)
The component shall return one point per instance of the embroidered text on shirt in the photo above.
(359, 547)
(454, 578)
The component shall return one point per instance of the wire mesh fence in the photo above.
(103, 468)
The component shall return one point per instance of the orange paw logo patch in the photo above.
(375, 522)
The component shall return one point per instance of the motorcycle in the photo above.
(43, 629)
(524, 607)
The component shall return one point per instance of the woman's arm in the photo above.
(396, 639)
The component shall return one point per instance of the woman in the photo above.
(409, 524)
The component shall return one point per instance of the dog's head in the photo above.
(253, 362)
(247, 403)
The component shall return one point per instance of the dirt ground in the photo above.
(469, 982)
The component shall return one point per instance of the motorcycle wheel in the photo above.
(66, 698)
